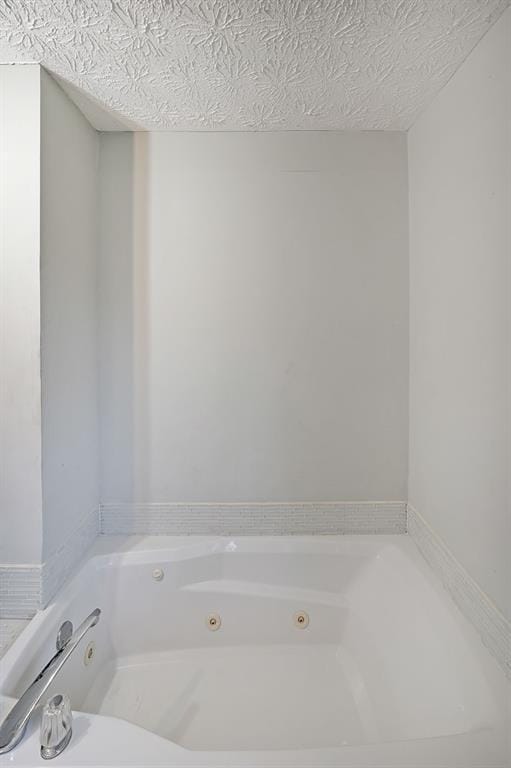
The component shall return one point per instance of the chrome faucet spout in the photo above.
(13, 727)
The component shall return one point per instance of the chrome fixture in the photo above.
(64, 635)
(56, 726)
(13, 727)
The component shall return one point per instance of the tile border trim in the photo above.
(256, 519)
(20, 591)
(65, 559)
(24, 589)
(9, 631)
(492, 626)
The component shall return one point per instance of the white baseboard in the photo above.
(476, 606)
(269, 519)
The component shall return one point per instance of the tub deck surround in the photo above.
(255, 519)
(385, 674)
(25, 589)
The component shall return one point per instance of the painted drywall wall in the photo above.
(116, 319)
(20, 389)
(254, 317)
(69, 325)
(459, 166)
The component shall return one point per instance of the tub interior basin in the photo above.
(240, 698)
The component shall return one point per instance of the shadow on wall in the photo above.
(141, 448)
(123, 314)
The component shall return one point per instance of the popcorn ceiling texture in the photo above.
(250, 64)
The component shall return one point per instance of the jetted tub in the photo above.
(257, 651)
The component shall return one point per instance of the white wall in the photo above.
(69, 325)
(20, 385)
(116, 290)
(258, 313)
(459, 162)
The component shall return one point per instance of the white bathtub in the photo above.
(387, 673)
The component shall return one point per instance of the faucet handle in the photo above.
(56, 726)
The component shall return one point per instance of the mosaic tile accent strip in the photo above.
(24, 589)
(476, 606)
(20, 591)
(254, 519)
(57, 568)
(10, 629)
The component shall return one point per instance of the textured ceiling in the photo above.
(249, 64)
